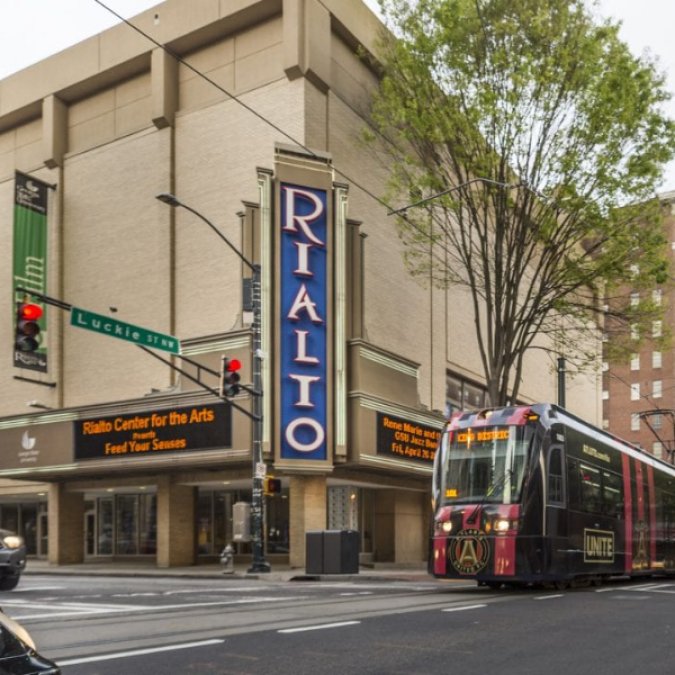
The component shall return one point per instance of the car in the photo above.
(12, 559)
(18, 655)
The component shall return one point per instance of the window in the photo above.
(591, 489)
(657, 329)
(605, 366)
(634, 332)
(460, 394)
(605, 395)
(657, 449)
(634, 299)
(635, 362)
(657, 388)
(657, 359)
(555, 477)
(656, 421)
(657, 296)
(612, 494)
(635, 422)
(635, 392)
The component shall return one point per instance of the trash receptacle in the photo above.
(340, 552)
(314, 552)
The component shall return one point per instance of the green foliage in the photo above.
(565, 131)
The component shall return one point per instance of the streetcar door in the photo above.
(556, 513)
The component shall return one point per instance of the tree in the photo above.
(538, 140)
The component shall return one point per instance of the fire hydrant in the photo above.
(227, 559)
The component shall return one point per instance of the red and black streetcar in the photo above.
(531, 494)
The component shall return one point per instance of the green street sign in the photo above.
(106, 325)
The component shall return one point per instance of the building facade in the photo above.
(639, 396)
(252, 117)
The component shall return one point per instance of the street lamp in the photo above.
(258, 564)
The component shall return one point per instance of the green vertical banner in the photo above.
(30, 259)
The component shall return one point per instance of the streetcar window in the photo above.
(591, 490)
(555, 477)
(486, 464)
(612, 494)
(573, 488)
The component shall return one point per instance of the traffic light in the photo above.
(229, 377)
(272, 486)
(27, 329)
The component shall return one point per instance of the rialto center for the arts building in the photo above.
(110, 447)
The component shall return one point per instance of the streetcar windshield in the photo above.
(486, 464)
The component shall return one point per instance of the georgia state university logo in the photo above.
(469, 551)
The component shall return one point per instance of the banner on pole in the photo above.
(30, 259)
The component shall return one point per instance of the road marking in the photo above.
(549, 597)
(461, 609)
(320, 627)
(72, 609)
(138, 652)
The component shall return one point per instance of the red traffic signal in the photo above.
(27, 329)
(229, 377)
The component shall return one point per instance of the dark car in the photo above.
(12, 560)
(17, 651)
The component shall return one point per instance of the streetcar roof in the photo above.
(549, 413)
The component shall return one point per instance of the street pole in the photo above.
(258, 563)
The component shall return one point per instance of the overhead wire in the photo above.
(171, 52)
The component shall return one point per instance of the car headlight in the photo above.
(13, 541)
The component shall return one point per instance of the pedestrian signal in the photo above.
(272, 486)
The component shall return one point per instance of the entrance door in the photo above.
(90, 533)
(43, 535)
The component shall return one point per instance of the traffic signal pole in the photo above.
(258, 563)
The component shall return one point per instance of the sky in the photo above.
(31, 30)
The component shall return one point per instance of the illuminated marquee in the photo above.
(148, 434)
(483, 436)
(303, 322)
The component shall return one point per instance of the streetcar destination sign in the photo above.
(81, 318)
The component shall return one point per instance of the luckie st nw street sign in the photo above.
(82, 318)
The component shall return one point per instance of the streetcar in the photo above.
(532, 495)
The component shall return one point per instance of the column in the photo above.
(307, 513)
(66, 525)
(176, 531)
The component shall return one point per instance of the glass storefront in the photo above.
(121, 525)
(29, 520)
(214, 521)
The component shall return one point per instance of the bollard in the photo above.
(227, 559)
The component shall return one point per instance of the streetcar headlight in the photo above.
(502, 525)
(443, 527)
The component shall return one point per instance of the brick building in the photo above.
(639, 397)
(252, 119)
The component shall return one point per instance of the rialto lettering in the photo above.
(303, 320)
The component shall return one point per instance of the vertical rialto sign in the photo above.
(303, 318)
(30, 258)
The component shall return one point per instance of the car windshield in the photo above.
(485, 465)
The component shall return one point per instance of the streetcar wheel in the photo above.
(561, 585)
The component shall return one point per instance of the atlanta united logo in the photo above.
(469, 551)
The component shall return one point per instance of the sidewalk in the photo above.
(281, 573)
